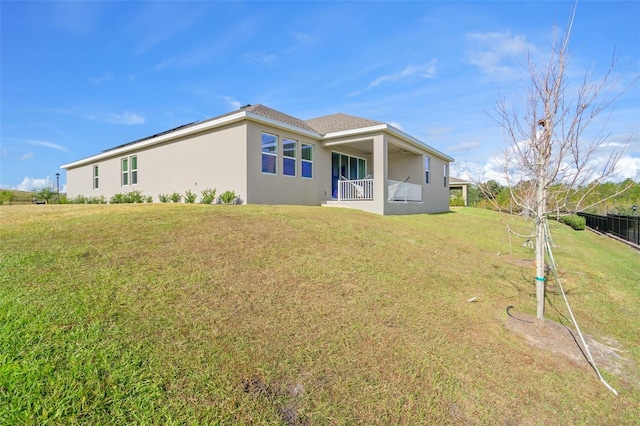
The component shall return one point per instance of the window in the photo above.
(269, 153)
(446, 174)
(129, 171)
(427, 160)
(95, 177)
(289, 148)
(125, 171)
(307, 161)
(345, 166)
(134, 170)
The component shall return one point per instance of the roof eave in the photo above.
(160, 139)
(394, 131)
(205, 125)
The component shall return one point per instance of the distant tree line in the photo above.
(601, 198)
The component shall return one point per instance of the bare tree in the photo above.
(548, 145)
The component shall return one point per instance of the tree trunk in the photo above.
(540, 278)
(541, 202)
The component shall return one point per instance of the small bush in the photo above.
(6, 196)
(190, 197)
(164, 198)
(175, 197)
(117, 199)
(208, 196)
(228, 197)
(134, 197)
(457, 201)
(128, 198)
(576, 222)
(79, 199)
(96, 200)
(148, 199)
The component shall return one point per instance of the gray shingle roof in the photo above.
(277, 116)
(339, 122)
(322, 125)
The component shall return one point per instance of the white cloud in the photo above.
(628, 168)
(465, 146)
(396, 125)
(126, 118)
(46, 144)
(479, 172)
(26, 156)
(498, 55)
(32, 184)
(232, 102)
(259, 58)
(193, 57)
(302, 40)
(426, 71)
(103, 78)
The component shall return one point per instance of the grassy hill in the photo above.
(156, 314)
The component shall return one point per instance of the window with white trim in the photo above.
(427, 166)
(289, 152)
(125, 172)
(306, 161)
(269, 153)
(446, 174)
(129, 171)
(95, 177)
(134, 170)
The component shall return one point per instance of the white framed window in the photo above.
(134, 170)
(269, 154)
(306, 161)
(446, 174)
(125, 172)
(427, 167)
(129, 170)
(289, 152)
(96, 180)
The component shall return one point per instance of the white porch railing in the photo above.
(403, 191)
(362, 189)
(357, 189)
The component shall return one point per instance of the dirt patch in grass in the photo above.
(562, 340)
(287, 395)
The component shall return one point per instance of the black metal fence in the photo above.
(625, 227)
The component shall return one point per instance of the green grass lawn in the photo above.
(194, 314)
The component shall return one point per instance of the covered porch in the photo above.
(379, 174)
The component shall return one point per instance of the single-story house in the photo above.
(268, 157)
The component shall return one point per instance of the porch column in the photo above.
(380, 172)
(464, 195)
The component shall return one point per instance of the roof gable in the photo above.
(339, 122)
(277, 116)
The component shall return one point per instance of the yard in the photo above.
(197, 314)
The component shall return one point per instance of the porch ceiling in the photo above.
(366, 147)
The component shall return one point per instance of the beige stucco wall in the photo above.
(266, 188)
(206, 160)
(435, 194)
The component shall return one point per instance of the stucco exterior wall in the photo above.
(406, 164)
(265, 188)
(435, 194)
(213, 159)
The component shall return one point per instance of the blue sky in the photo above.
(81, 77)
